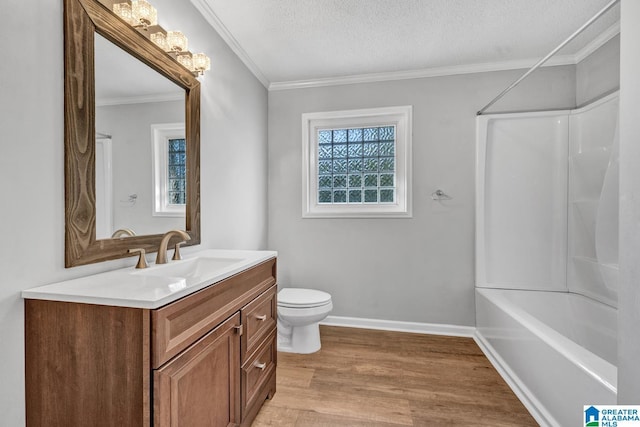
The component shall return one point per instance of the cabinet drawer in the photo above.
(259, 318)
(178, 325)
(257, 370)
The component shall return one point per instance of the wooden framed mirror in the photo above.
(83, 19)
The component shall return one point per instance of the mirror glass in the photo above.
(140, 146)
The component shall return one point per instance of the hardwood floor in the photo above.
(378, 378)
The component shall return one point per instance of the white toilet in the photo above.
(299, 314)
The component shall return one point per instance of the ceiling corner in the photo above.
(209, 15)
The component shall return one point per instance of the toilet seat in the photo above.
(302, 298)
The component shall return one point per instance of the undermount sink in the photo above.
(192, 270)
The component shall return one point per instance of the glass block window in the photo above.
(176, 171)
(169, 154)
(357, 163)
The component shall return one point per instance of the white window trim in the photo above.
(401, 117)
(160, 136)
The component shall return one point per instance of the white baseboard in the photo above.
(535, 408)
(398, 326)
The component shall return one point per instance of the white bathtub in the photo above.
(556, 350)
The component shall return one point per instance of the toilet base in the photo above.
(299, 339)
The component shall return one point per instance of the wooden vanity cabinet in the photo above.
(208, 359)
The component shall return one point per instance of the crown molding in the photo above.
(574, 59)
(205, 10)
(162, 97)
(418, 74)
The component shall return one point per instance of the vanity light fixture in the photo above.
(124, 11)
(201, 63)
(144, 17)
(186, 60)
(197, 63)
(160, 39)
(176, 42)
(139, 13)
(144, 14)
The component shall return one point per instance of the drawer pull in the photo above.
(262, 318)
(259, 365)
(239, 329)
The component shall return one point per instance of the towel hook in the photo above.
(440, 195)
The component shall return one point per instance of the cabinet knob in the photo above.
(262, 317)
(259, 365)
(238, 329)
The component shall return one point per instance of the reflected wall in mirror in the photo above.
(103, 130)
(130, 107)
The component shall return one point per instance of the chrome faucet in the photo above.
(161, 258)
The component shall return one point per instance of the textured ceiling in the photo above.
(292, 40)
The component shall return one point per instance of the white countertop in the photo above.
(155, 286)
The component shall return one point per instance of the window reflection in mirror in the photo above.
(131, 101)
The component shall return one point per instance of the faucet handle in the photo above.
(142, 261)
(176, 252)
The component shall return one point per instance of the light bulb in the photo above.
(124, 11)
(201, 63)
(176, 41)
(144, 14)
(160, 39)
(186, 60)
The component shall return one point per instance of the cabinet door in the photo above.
(201, 386)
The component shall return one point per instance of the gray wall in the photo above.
(130, 128)
(233, 176)
(418, 269)
(599, 73)
(629, 292)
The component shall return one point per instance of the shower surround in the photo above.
(547, 255)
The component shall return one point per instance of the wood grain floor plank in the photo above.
(448, 413)
(315, 419)
(338, 403)
(276, 416)
(383, 379)
(295, 377)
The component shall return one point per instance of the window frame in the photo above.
(398, 116)
(160, 136)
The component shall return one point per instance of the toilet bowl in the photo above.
(299, 314)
